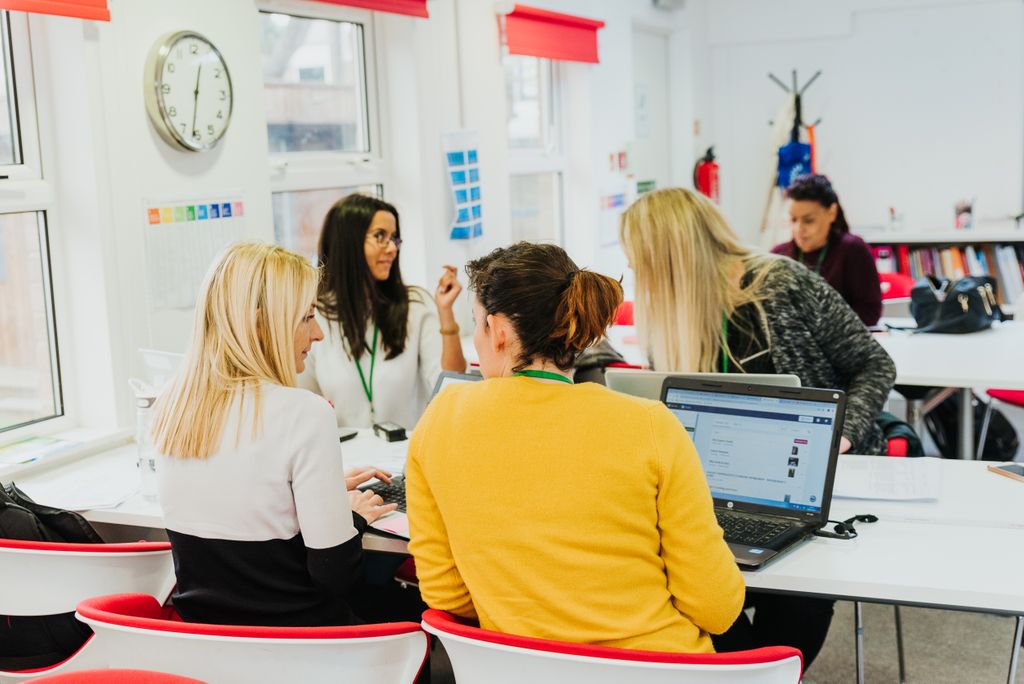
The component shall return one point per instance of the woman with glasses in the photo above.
(385, 342)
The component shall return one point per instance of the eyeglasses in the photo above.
(381, 239)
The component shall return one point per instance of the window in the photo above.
(536, 159)
(299, 215)
(30, 385)
(30, 379)
(322, 114)
(314, 79)
(532, 110)
(536, 207)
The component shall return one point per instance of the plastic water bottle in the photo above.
(144, 442)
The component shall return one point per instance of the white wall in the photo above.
(921, 103)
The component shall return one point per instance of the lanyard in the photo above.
(821, 257)
(725, 343)
(543, 375)
(368, 386)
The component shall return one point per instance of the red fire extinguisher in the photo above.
(705, 175)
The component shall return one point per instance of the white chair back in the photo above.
(479, 661)
(217, 653)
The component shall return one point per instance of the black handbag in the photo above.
(964, 306)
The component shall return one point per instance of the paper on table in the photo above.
(104, 487)
(888, 479)
(368, 450)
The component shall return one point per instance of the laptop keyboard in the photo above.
(743, 529)
(391, 493)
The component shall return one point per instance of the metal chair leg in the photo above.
(858, 630)
(899, 645)
(984, 428)
(1018, 634)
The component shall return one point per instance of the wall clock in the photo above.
(188, 91)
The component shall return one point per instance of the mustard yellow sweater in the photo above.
(567, 512)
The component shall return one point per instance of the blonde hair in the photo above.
(251, 303)
(687, 262)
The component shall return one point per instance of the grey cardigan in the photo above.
(816, 336)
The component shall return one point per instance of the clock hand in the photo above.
(195, 102)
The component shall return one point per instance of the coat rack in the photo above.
(798, 92)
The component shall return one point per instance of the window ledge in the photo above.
(57, 449)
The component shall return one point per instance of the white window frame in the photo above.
(26, 189)
(294, 171)
(551, 156)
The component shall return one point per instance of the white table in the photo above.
(963, 551)
(115, 472)
(988, 359)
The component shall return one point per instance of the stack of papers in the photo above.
(888, 479)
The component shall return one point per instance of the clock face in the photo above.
(188, 91)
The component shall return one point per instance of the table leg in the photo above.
(1018, 634)
(899, 644)
(965, 450)
(858, 630)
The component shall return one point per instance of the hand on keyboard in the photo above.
(369, 505)
(357, 476)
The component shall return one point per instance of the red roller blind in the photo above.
(552, 35)
(412, 8)
(82, 9)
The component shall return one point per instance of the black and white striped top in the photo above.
(262, 531)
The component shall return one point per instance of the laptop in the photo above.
(452, 378)
(397, 524)
(647, 384)
(769, 456)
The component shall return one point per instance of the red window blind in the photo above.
(82, 9)
(412, 8)
(552, 35)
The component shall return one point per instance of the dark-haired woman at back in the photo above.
(548, 509)
(385, 343)
(823, 243)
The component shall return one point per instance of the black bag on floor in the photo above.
(943, 423)
(42, 640)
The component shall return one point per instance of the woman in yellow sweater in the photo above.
(547, 509)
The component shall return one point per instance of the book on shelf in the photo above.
(1001, 261)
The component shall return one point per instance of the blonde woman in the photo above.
(250, 477)
(705, 302)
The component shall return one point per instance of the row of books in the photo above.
(1003, 262)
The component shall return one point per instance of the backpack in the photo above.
(944, 426)
(28, 642)
(892, 427)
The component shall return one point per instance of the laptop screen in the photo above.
(762, 450)
(450, 378)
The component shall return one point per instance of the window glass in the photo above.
(10, 149)
(29, 375)
(536, 200)
(531, 107)
(314, 78)
(299, 215)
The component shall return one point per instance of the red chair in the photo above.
(132, 631)
(117, 677)
(895, 285)
(624, 316)
(48, 578)
(480, 655)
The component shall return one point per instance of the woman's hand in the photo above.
(844, 445)
(357, 476)
(369, 505)
(448, 289)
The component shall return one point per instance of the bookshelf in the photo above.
(953, 255)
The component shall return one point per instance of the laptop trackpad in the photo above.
(751, 557)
